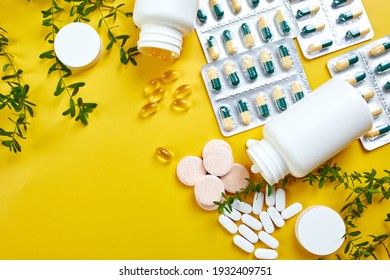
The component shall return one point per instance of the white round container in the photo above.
(310, 132)
(163, 25)
(78, 46)
(320, 230)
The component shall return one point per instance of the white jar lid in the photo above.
(78, 46)
(320, 230)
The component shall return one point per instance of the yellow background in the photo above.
(98, 192)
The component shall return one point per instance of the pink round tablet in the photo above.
(217, 157)
(190, 169)
(207, 190)
(235, 180)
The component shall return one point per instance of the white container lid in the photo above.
(320, 230)
(78, 46)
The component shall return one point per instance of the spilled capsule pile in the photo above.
(252, 225)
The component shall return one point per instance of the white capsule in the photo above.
(268, 240)
(258, 201)
(228, 224)
(292, 210)
(275, 216)
(249, 234)
(243, 244)
(234, 214)
(280, 200)
(242, 206)
(267, 223)
(270, 198)
(251, 221)
(266, 254)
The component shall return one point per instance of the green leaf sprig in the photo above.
(81, 9)
(16, 99)
(364, 189)
(77, 108)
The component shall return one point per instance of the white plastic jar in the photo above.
(310, 132)
(163, 25)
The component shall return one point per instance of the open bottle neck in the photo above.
(267, 161)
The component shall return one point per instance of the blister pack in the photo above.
(368, 69)
(250, 88)
(228, 27)
(330, 25)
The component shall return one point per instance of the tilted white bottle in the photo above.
(310, 132)
(163, 24)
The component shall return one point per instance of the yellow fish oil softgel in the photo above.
(183, 91)
(149, 109)
(367, 69)
(170, 76)
(157, 95)
(151, 86)
(163, 154)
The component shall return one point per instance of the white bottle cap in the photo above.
(160, 41)
(78, 46)
(320, 230)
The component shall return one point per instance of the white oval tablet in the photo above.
(266, 221)
(78, 46)
(228, 224)
(266, 254)
(275, 216)
(258, 201)
(243, 244)
(234, 214)
(249, 234)
(280, 199)
(268, 240)
(320, 230)
(251, 222)
(291, 211)
(242, 206)
(270, 198)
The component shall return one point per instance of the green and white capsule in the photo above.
(368, 94)
(297, 90)
(357, 78)
(231, 73)
(347, 16)
(262, 105)
(265, 30)
(213, 78)
(230, 44)
(236, 6)
(340, 3)
(247, 36)
(306, 11)
(226, 117)
(266, 62)
(377, 131)
(357, 32)
(254, 3)
(245, 114)
(383, 66)
(311, 28)
(217, 8)
(375, 110)
(284, 27)
(212, 48)
(280, 99)
(285, 57)
(201, 14)
(386, 87)
(345, 62)
(320, 45)
(249, 67)
(379, 48)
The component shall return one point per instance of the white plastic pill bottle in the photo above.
(163, 24)
(310, 132)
